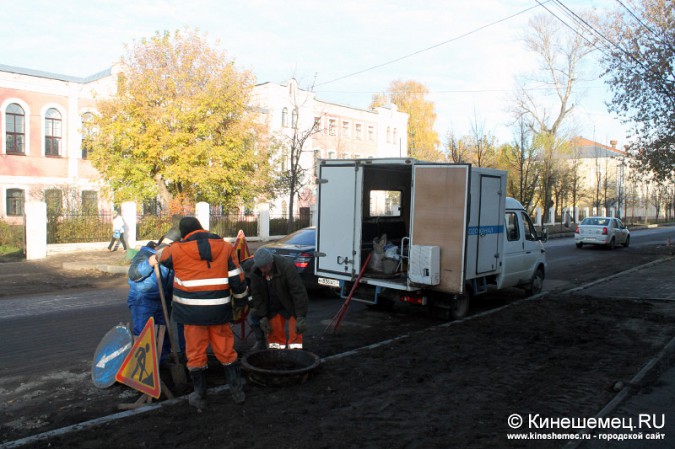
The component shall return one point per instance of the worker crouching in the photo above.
(279, 298)
(207, 277)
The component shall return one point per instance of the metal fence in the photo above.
(78, 227)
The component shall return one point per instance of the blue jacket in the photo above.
(143, 282)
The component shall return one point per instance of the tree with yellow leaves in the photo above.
(409, 97)
(178, 126)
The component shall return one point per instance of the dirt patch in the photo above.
(451, 385)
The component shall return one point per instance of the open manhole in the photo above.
(277, 367)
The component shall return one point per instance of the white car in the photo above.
(606, 231)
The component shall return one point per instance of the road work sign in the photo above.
(140, 369)
(109, 355)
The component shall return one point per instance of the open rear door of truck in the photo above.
(339, 208)
(440, 218)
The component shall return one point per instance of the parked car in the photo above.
(300, 246)
(606, 231)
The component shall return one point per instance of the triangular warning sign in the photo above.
(140, 369)
(241, 247)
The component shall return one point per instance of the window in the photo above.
(512, 230)
(90, 201)
(16, 130)
(284, 117)
(87, 134)
(530, 231)
(394, 136)
(357, 131)
(294, 119)
(371, 133)
(388, 134)
(345, 129)
(332, 155)
(15, 202)
(317, 123)
(54, 200)
(52, 132)
(331, 127)
(385, 203)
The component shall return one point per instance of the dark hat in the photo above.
(262, 257)
(188, 225)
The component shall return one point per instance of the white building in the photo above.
(342, 131)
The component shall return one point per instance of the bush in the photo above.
(11, 238)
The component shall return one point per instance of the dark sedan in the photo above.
(300, 247)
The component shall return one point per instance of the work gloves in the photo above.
(239, 308)
(265, 325)
(300, 325)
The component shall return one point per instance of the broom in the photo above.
(337, 319)
(177, 371)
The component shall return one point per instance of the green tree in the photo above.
(410, 97)
(178, 126)
(639, 55)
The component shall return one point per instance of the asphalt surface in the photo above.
(654, 281)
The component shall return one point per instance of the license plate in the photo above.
(328, 282)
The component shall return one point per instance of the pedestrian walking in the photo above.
(118, 225)
(280, 299)
(207, 278)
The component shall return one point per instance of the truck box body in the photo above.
(444, 224)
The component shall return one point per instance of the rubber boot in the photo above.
(233, 376)
(198, 397)
(260, 339)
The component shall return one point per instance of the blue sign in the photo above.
(485, 230)
(110, 355)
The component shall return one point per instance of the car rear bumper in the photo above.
(592, 240)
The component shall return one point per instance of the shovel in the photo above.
(177, 371)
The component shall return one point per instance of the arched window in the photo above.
(52, 132)
(284, 117)
(15, 201)
(15, 118)
(294, 119)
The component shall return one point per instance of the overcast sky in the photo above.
(466, 52)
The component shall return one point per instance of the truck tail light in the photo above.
(604, 231)
(414, 299)
(303, 260)
(576, 231)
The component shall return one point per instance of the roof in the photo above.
(585, 148)
(56, 76)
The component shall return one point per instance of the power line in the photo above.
(428, 48)
(636, 17)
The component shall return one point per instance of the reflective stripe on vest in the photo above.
(235, 272)
(295, 346)
(276, 346)
(201, 302)
(202, 282)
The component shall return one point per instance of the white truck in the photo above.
(450, 232)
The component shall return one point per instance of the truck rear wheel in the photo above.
(449, 307)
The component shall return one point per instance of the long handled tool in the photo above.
(177, 371)
(337, 319)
